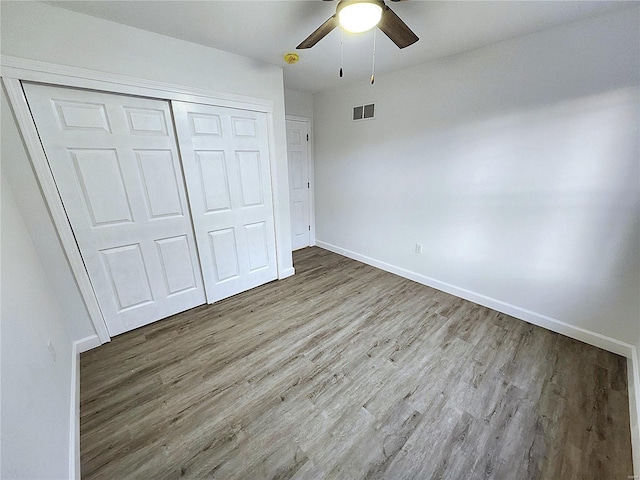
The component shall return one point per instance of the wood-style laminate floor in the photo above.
(348, 372)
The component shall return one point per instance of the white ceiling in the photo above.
(267, 29)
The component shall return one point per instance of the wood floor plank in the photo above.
(344, 371)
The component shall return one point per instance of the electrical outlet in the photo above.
(52, 350)
(418, 248)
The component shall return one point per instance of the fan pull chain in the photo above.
(373, 61)
(341, 51)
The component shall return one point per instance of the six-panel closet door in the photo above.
(225, 156)
(115, 162)
(156, 231)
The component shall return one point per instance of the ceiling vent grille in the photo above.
(363, 112)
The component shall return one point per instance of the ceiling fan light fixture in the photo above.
(358, 17)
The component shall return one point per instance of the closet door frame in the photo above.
(16, 70)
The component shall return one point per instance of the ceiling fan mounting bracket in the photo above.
(344, 3)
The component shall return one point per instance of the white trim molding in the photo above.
(79, 346)
(74, 414)
(633, 374)
(287, 273)
(87, 343)
(45, 178)
(63, 75)
(544, 321)
(281, 238)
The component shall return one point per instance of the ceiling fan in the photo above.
(361, 15)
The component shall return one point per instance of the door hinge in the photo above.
(307, 137)
(309, 227)
(308, 184)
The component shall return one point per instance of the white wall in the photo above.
(514, 165)
(37, 31)
(299, 104)
(36, 394)
(36, 390)
(16, 168)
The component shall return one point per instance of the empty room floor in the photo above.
(345, 371)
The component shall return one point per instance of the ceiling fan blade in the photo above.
(396, 29)
(320, 32)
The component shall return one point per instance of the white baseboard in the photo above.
(87, 343)
(74, 414)
(79, 346)
(287, 272)
(558, 326)
(633, 372)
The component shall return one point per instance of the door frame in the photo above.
(15, 70)
(311, 170)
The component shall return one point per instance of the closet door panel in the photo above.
(225, 156)
(116, 165)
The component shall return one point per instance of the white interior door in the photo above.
(225, 156)
(297, 153)
(116, 165)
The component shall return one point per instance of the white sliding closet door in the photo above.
(116, 165)
(225, 155)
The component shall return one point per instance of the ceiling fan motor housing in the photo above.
(390, 24)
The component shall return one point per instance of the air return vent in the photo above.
(363, 112)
